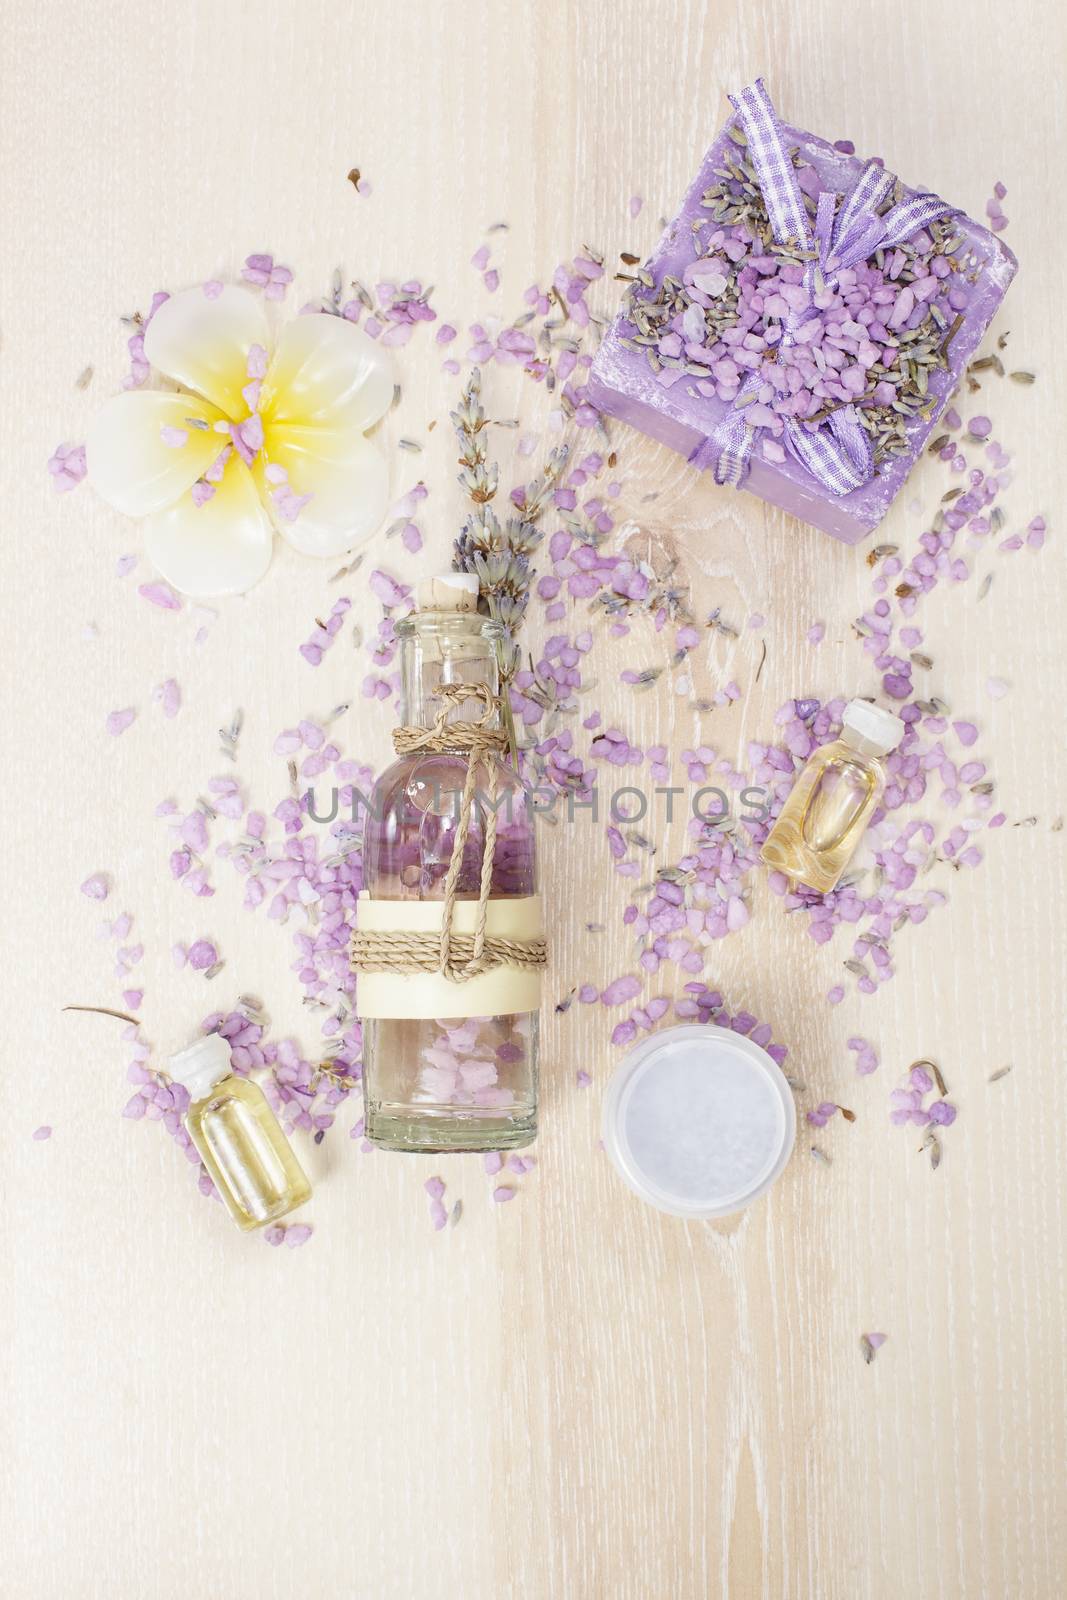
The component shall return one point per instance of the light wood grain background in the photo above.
(568, 1397)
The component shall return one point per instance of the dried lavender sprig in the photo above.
(498, 554)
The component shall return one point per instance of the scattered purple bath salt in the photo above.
(827, 1109)
(866, 1056)
(202, 954)
(292, 1235)
(262, 271)
(619, 991)
(435, 1189)
(169, 697)
(902, 841)
(306, 876)
(870, 1344)
(994, 210)
(315, 647)
(391, 593)
(160, 594)
(67, 467)
(119, 721)
(908, 1107)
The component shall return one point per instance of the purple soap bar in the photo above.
(667, 365)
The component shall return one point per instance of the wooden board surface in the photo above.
(570, 1396)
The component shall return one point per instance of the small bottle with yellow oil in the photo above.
(238, 1137)
(831, 803)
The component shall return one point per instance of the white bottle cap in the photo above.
(202, 1064)
(881, 730)
(698, 1120)
(448, 591)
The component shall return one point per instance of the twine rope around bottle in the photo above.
(456, 956)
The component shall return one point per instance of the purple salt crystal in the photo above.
(160, 594)
(202, 954)
(119, 721)
(619, 991)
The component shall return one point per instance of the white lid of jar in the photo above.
(698, 1121)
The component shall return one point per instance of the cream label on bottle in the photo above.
(503, 991)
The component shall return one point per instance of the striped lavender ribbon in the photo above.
(839, 455)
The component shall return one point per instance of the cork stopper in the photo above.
(448, 591)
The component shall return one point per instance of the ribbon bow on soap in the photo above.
(839, 454)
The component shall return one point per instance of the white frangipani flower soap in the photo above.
(247, 445)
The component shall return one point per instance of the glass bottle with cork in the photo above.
(448, 926)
